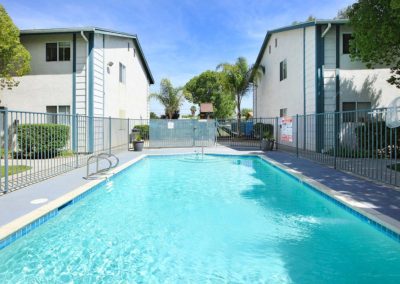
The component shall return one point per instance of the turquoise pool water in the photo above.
(220, 219)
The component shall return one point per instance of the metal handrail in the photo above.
(97, 157)
(108, 155)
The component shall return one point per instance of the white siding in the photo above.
(81, 76)
(98, 76)
(330, 70)
(310, 70)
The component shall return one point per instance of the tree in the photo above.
(208, 87)
(246, 112)
(376, 37)
(153, 115)
(343, 13)
(193, 110)
(237, 80)
(14, 58)
(171, 98)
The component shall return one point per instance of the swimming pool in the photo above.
(191, 219)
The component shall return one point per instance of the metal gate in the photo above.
(182, 133)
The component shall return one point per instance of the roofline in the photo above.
(95, 30)
(294, 27)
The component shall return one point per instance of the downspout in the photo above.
(326, 30)
(86, 69)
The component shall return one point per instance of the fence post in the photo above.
(76, 139)
(128, 134)
(109, 135)
(276, 132)
(335, 143)
(5, 126)
(297, 135)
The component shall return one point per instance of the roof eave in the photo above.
(95, 30)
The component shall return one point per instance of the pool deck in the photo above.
(368, 196)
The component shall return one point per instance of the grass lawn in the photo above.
(14, 170)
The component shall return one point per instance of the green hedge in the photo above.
(42, 140)
(143, 131)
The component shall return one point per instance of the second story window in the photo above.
(346, 43)
(51, 51)
(283, 70)
(282, 112)
(122, 73)
(64, 51)
(60, 51)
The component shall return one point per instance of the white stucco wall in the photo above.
(124, 100)
(273, 94)
(48, 83)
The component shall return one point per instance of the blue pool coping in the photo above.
(50, 215)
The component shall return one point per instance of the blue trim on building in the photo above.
(319, 87)
(91, 94)
(304, 90)
(337, 67)
(74, 129)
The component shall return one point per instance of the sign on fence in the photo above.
(287, 129)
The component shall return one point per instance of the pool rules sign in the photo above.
(287, 129)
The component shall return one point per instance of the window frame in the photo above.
(57, 117)
(283, 70)
(349, 36)
(283, 112)
(57, 54)
(355, 114)
(122, 73)
(64, 50)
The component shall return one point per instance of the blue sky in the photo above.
(183, 38)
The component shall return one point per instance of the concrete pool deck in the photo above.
(381, 201)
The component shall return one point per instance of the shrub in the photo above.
(376, 136)
(261, 128)
(143, 131)
(42, 140)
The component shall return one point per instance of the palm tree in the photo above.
(171, 98)
(193, 110)
(238, 78)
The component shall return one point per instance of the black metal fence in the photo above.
(36, 146)
(359, 142)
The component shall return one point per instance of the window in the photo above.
(283, 70)
(355, 111)
(129, 46)
(269, 49)
(276, 42)
(282, 112)
(64, 51)
(60, 50)
(51, 51)
(122, 73)
(346, 43)
(58, 114)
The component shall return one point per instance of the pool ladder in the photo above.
(98, 157)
